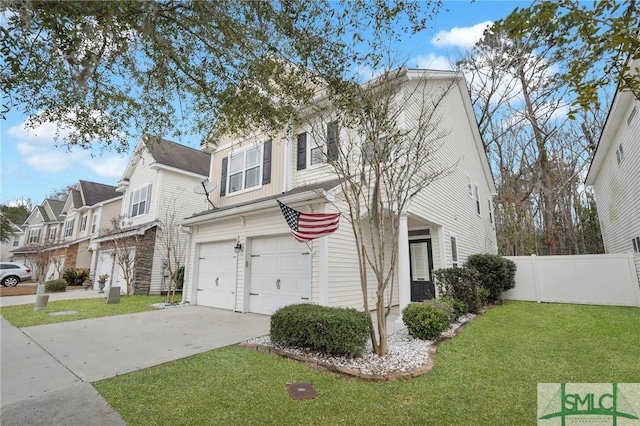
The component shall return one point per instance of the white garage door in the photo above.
(280, 273)
(217, 275)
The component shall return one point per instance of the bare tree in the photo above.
(123, 240)
(173, 243)
(383, 155)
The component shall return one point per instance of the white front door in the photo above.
(216, 286)
(280, 273)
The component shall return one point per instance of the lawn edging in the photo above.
(397, 375)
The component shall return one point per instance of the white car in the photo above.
(12, 273)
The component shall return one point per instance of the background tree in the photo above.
(380, 165)
(110, 71)
(594, 42)
(538, 155)
(11, 215)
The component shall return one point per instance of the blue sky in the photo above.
(31, 166)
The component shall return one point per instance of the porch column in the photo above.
(404, 275)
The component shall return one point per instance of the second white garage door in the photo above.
(280, 273)
(217, 275)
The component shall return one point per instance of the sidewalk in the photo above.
(30, 299)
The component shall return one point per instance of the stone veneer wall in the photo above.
(71, 256)
(144, 262)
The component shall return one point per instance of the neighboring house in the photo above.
(158, 181)
(615, 175)
(16, 236)
(43, 227)
(89, 207)
(65, 228)
(242, 256)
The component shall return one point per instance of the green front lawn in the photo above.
(25, 316)
(487, 375)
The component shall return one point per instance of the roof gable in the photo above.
(94, 193)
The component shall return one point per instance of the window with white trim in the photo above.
(469, 187)
(315, 154)
(140, 200)
(16, 240)
(52, 234)
(68, 228)
(636, 244)
(454, 252)
(245, 169)
(94, 223)
(83, 223)
(34, 235)
(477, 192)
(379, 149)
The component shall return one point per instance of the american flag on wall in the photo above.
(309, 226)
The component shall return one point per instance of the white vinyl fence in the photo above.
(598, 279)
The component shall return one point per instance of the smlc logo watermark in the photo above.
(616, 404)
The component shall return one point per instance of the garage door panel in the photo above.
(280, 273)
(216, 286)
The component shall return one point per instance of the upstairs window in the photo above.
(52, 234)
(94, 224)
(34, 235)
(636, 244)
(377, 150)
(332, 141)
(68, 228)
(83, 223)
(16, 240)
(246, 169)
(469, 187)
(477, 192)
(490, 205)
(140, 200)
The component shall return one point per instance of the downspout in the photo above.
(186, 263)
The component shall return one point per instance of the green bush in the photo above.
(441, 304)
(483, 294)
(462, 284)
(425, 321)
(55, 286)
(459, 307)
(497, 274)
(337, 331)
(75, 276)
(180, 278)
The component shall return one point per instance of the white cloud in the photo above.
(432, 62)
(38, 150)
(462, 37)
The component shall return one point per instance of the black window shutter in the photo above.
(302, 151)
(266, 163)
(332, 141)
(223, 178)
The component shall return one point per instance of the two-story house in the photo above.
(242, 256)
(15, 239)
(89, 207)
(43, 227)
(156, 185)
(615, 175)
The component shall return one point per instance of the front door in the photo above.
(421, 259)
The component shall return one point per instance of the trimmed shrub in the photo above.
(461, 284)
(425, 321)
(55, 286)
(459, 307)
(75, 276)
(337, 331)
(497, 274)
(441, 304)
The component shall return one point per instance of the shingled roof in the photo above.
(182, 157)
(94, 192)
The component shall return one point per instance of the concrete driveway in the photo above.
(46, 370)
